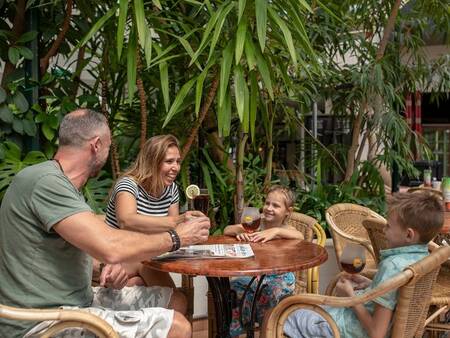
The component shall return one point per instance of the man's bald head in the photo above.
(80, 126)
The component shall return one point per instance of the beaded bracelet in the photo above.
(176, 243)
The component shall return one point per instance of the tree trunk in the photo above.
(59, 39)
(354, 146)
(16, 31)
(203, 112)
(239, 202)
(115, 164)
(142, 101)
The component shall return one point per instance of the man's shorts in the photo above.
(136, 311)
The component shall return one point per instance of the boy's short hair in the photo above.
(421, 211)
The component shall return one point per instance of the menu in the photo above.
(210, 251)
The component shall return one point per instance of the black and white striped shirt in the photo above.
(146, 204)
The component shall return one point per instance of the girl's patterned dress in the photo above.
(274, 288)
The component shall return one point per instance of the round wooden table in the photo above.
(274, 257)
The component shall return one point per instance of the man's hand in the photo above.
(193, 231)
(113, 276)
(344, 288)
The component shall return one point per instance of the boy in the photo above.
(413, 220)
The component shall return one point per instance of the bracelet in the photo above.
(176, 243)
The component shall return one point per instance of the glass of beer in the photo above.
(250, 219)
(353, 258)
(201, 202)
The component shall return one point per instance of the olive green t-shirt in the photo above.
(38, 268)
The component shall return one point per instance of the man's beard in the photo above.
(96, 166)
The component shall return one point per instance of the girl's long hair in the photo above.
(146, 168)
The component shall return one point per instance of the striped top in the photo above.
(146, 204)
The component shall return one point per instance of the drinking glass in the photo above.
(353, 258)
(201, 202)
(250, 219)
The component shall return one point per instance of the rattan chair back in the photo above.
(375, 230)
(345, 225)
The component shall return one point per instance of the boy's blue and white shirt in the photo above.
(392, 261)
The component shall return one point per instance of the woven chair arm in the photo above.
(274, 322)
(68, 318)
(362, 241)
(389, 285)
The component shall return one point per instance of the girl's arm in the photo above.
(129, 219)
(233, 230)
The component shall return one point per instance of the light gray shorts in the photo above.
(136, 311)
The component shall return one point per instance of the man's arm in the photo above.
(106, 244)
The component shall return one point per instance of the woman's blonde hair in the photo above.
(146, 168)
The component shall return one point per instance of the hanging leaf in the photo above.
(123, 12)
(199, 86)
(14, 55)
(265, 72)
(95, 28)
(20, 101)
(26, 52)
(245, 120)
(240, 39)
(225, 68)
(287, 35)
(6, 115)
(27, 37)
(2, 95)
(241, 9)
(157, 4)
(139, 13)
(254, 94)
(179, 100)
(148, 46)
(250, 51)
(261, 21)
(164, 76)
(48, 132)
(213, 167)
(218, 29)
(17, 126)
(131, 66)
(224, 116)
(239, 91)
(29, 127)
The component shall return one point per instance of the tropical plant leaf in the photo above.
(240, 39)
(239, 91)
(265, 72)
(27, 37)
(96, 192)
(123, 13)
(241, 9)
(131, 65)
(199, 86)
(2, 95)
(179, 100)
(218, 28)
(208, 182)
(157, 4)
(250, 52)
(164, 76)
(6, 115)
(261, 21)
(95, 28)
(254, 95)
(141, 23)
(287, 35)
(225, 68)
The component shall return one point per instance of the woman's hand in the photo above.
(265, 235)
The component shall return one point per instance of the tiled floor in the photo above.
(200, 329)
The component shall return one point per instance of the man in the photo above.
(48, 235)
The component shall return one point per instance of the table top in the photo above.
(276, 256)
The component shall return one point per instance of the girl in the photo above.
(145, 199)
(277, 208)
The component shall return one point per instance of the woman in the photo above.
(146, 199)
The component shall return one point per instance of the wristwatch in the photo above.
(176, 243)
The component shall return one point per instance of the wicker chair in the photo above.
(345, 225)
(66, 319)
(306, 281)
(414, 284)
(440, 300)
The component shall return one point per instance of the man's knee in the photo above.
(178, 302)
(181, 328)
